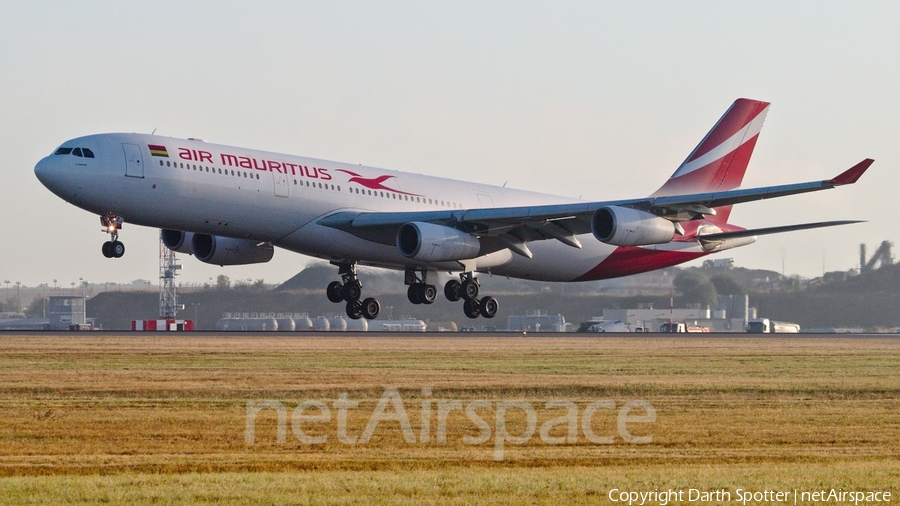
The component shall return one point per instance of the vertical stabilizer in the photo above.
(720, 160)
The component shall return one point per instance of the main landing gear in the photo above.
(467, 289)
(422, 292)
(111, 225)
(349, 290)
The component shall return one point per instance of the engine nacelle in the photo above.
(428, 242)
(623, 226)
(178, 241)
(227, 251)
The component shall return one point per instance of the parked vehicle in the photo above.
(682, 327)
(766, 326)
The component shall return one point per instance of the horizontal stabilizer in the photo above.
(773, 230)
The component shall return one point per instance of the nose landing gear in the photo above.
(111, 225)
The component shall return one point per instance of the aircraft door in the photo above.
(281, 184)
(134, 166)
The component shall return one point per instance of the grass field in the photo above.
(164, 419)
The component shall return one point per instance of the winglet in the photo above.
(852, 174)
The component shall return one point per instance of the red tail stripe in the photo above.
(741, 113)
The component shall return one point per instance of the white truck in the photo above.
(766, 326)
(682, 327)
(614, 326)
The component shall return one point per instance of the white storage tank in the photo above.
(320, 323)
(286, 324)
(258, 324)
(301, 324)
(337, 324)
(360, 325)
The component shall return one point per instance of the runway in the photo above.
(451, 335)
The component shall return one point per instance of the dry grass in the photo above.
(162, 419)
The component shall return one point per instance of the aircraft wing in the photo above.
(515, 226)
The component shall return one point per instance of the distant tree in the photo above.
(696, 288)
(223, 282)
(36, 308)
(260, 284)
(726, 285)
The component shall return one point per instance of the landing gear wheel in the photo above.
(453, 290)
(352, 291)
(489, 307)
(427, 294)
(354, 309)
(335, 291)
(472, 308)
(117, 249)
(107, 249)
(413, 294)
(470, 289)
(370, 308)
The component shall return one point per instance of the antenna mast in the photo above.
(168, 269)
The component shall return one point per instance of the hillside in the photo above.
(870, 300)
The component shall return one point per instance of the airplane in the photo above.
(228, 205)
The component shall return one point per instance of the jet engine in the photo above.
(178, 241)
(428, 242)
(623, 226)
(227, 251)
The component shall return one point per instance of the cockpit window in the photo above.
(77, 152)
(87, 153)
(63, 151)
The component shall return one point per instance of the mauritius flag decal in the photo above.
(157, 150)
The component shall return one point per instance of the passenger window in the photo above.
(63, 151)
(87, 153)
(77, 152)
(160, 163)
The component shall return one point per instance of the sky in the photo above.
(598, 100)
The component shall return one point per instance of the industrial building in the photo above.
(730, 315)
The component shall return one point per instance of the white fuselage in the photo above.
(199, 187)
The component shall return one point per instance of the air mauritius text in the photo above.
(309, 417)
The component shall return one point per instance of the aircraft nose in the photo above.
(47, 171)
(42, 170)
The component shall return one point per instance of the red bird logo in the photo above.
(373, 183)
